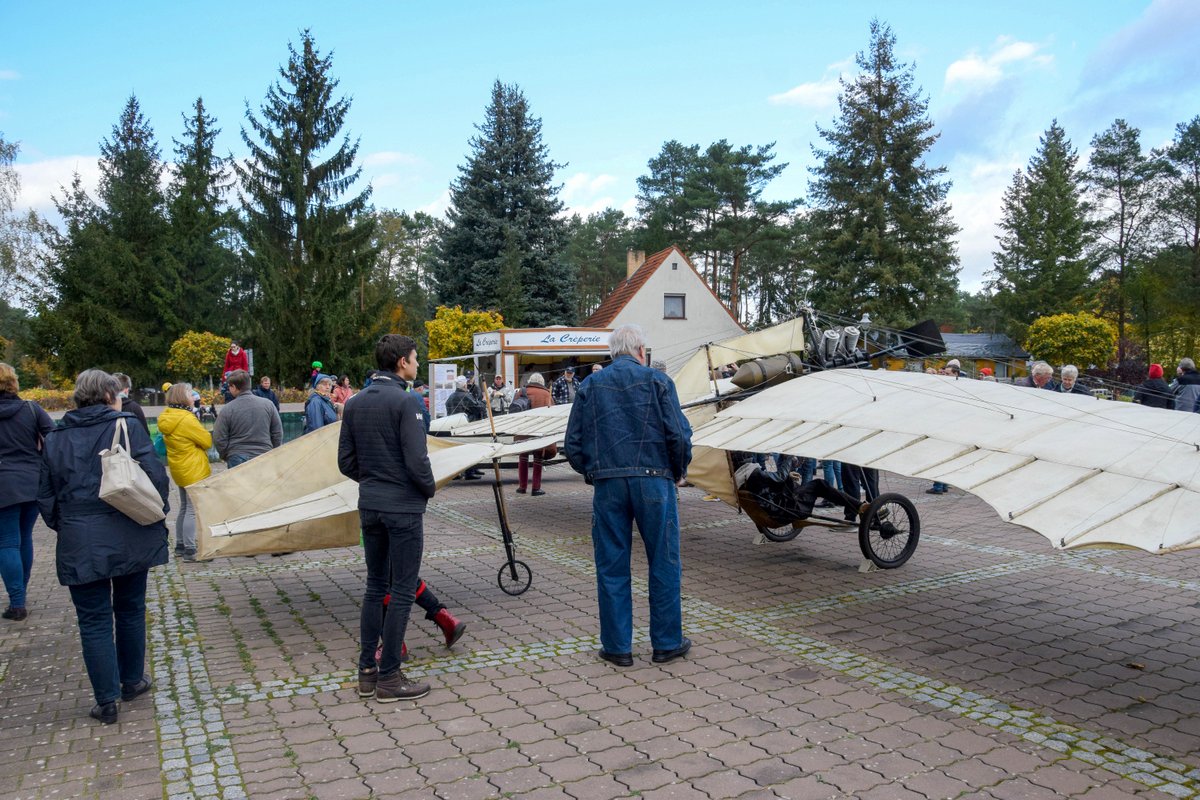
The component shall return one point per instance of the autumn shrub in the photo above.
(50, 399)
(197, 355)
(1081, 339)
(451, 329)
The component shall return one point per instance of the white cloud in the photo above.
(41, 181)
(819, 95)
(9, 75)
(390, 158)
(976, 199)
(975, 72)
(583, 186)
(438, 207)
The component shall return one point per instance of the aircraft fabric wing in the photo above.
(295, 498)
(1080, 471)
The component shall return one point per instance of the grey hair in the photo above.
(626, 340)
(1187, 364)
(460, 382)
(1069, 370)
(123, 381)
(1041, 367)
(95, 387)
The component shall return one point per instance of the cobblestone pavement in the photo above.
(990, 666)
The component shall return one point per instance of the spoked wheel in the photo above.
(888, 532)
(783, 534)
(515, 578)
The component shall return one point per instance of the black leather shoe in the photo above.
(138, 689)
(106, 713)
(620, 659)
(663, 656)
(536, 493)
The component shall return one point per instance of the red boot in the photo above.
(452, 629)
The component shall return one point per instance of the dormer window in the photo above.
(674, 306)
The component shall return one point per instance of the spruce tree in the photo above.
(201, 227)
(505, 197)
(1042, 265)
(883, 237)
(308, 242)
(114, 298)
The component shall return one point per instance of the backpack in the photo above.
(520, 403)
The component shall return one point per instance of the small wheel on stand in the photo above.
(889, 530)
(515, 578)
(782, 534)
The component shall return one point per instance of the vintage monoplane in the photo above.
(1080, 471)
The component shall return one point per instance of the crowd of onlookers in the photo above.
(1181, 394)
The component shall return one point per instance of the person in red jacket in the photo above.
(235, 359)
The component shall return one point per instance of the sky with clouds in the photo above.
(611, 83)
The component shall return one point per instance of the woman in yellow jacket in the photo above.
(187, 459)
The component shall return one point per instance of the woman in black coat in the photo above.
(104, 557)
(1154, 391)
(22, 426)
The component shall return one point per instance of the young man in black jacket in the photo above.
(382, 446)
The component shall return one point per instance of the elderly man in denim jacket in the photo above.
(629, 438)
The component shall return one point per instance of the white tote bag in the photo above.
(124, 485)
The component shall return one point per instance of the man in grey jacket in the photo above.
(248, 425)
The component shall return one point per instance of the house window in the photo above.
(674, 306)
(674, 265)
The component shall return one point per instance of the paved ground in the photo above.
(989, 666)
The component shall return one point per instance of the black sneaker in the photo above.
(397, 686)
(137, 690)
(15, 614)
(189, 554)
(106, 713)
(178, 550)
(620, 659)
(663, 656)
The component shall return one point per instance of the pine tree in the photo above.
(1042, 266)
(1121, 181)
(113, 282)
(667, 216)
(504, 193)
(309, 249)
(201, 227)
(732, 218)
(596, 249)
(883, 234)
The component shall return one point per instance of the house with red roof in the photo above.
(674, 305)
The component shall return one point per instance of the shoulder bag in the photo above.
(124, 485)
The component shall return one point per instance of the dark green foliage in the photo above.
(710, 204)
(1042, 266)
(202, 229)
(1121, 180)
(309, 250)
(407, 246)
(776, 274)
(597, 250)
(511, 291)
(664, 198)
(883, 238)
(114, 298)
(1179, 203)
(503, 198)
